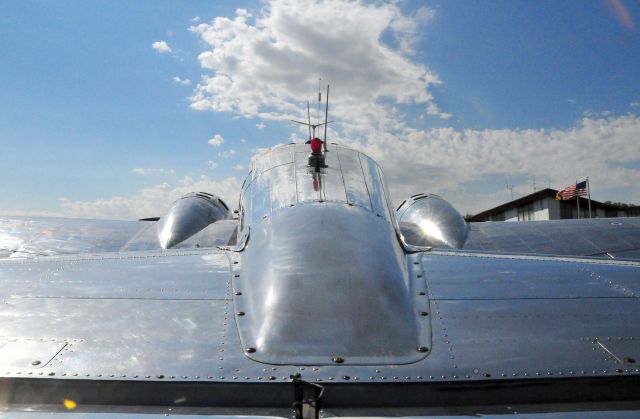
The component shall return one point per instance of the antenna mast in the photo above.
(312, 127)
(319, 100)
(326, 116)
(309, 117)
(510, 187)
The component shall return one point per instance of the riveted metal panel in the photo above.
(246, 207)
(260, 198)
(283, 192)
(197, 340)
(132, 275)
(539, 337)
(310, 294)
(27, 353)
(485, 277)
(22, 237)
(559, 237)
(625, 350)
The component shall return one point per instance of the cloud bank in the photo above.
(261, 67)
(152, 201)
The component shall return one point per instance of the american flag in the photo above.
(571, 192)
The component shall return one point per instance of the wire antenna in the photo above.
(510, 187)
(319, 100)
(326, 116)
(309, 118)
(312, 127)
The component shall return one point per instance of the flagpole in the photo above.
(589, 195)
(575, 191)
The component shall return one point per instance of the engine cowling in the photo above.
(428, 220)
(188, 215)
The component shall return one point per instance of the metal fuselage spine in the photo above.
(323, 262)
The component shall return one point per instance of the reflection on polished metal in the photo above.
(428, 220)
(323, 264)
(188, 215)
(319, 287)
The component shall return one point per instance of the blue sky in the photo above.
(452, 97)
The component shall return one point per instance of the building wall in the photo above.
(511, 214)
(538, 210)
(554, 209)
(547, 208)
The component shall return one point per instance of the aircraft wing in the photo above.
(114, 332)
(604, 237)
(31, 237)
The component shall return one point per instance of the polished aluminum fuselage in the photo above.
(322, 263)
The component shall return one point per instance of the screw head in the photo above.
(250, 350)
(337, 359)
(240, 313)
(424, 313)
(422, 349)
(238, 293)
(36, 363)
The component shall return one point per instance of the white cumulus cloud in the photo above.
(161, 46)
(216, 140)
(152, 201)
(182, 81)
(264, 68)
(469, 167)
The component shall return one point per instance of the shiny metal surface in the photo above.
(318, 255)
(151, 316)
(281, 178)
(318, 290)
(430, 221)
(314, 279)
(27, 237)
(22, 237)
(620, 237)
(189, 215)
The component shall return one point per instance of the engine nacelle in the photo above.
(188, 215)
(428, 220)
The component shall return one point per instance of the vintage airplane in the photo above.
(319, 299)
